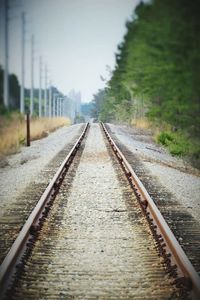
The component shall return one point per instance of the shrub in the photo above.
(176, 142)
(165, 138)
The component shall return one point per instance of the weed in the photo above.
(165, 138)
(176, 142)
(142, 123)
(13, 130)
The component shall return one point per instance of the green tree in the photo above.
(14, 92)
(158, 66)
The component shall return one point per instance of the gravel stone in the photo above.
(100, 246)
(177, 183)
(22, 168)
(3, 161)
(173, 173)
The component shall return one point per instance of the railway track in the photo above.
(17, 212)
(83, 241)
(185, 228)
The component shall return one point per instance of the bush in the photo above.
(165, 138)
(194, 155)
(177, 149)
(176, 142)
(79, 119)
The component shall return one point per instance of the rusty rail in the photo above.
(176, 261)
(22, 246)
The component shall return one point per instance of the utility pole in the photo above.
(22, 63)
(32, 76)
(45, 91)
(57, 102)
(54, 105)
(50, 99)
(40, 87)
(57, 106)
(6, 56)
(62, 105)
(60, 112)
(28, 140)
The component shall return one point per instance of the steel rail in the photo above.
(21, 246)
(175, 258)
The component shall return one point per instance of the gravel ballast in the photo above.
(96, 244)
(173, 173)
(24, 167)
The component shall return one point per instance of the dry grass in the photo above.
(142, 123)
(154, 128)
(13, 130)
(41, 127)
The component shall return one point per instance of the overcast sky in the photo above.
(76, 38)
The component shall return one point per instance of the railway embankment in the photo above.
(173, 174)
(95, 197)
(25, 178)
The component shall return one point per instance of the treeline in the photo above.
(157, 72)
(14, 88)
(14, 95)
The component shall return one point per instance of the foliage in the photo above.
(86, 108)
(4, 111)
(179, 144)
(165, 138)
(14, 89)
(14, 92)
(14, 96)
(158, 62)
(1, 88)
(157, 72)
(99, 104)
(79, 119)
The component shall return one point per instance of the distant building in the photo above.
(73, 105)
(69, 108)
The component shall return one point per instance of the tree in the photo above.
(158, 65)
(14, 92)
(14, 88)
